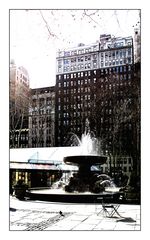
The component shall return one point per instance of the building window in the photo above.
(124, 53)
(129, 51)
(113, 54)
(129, 59)
(66, 61)
(94, 80)
(73, 60)
(88, 58)
(121, 77)
(67, 53)
(94, 56)
(94, 63)
(129, 76)
(95, 48)
(129, 68)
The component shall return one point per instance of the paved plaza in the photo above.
(43, 216)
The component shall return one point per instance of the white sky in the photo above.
(32, 46)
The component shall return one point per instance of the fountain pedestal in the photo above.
(83, 180)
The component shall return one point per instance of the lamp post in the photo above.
(110, 165)
(109, 162)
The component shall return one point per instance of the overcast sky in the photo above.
(36, 36)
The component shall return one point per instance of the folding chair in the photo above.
(109, 209)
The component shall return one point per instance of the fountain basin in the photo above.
(58, 195)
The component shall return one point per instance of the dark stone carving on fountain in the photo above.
(85, 180)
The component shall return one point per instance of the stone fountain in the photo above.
(84, 185)
(85, 180)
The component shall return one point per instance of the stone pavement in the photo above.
(43, 216)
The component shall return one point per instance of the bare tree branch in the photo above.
(47, 26)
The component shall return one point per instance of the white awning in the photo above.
(42, 154)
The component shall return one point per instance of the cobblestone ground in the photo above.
(44, 216)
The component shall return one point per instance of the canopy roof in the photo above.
(44, 158)
(44, 154)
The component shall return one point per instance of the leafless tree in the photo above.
(18, 115)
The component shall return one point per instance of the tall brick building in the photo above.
(42, 117)
(97, 82)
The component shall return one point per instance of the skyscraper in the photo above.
(83, 75)
(96, 82)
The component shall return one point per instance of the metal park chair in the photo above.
(108, 208)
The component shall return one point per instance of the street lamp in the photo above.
(109, 162)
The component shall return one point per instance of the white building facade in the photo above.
(107, 52)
